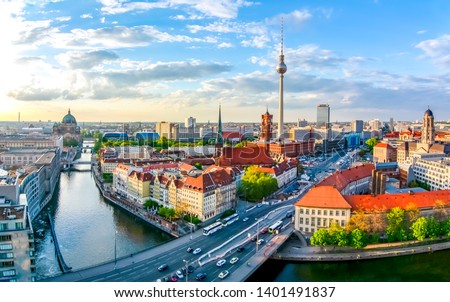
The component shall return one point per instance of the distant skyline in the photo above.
(149, 61)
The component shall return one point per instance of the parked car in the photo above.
(221, 262)
(163, 267)
(200, 276)
(245, 219)
(234, 260)
(174, 278)
(197, 251)
(189, 250)
(240, 249)
(224, 274)
(180, 275)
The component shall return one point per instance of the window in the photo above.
(343, 213)
(6, 246)
(6, 255)
(307, 211)
(301, 220)
(342, 223)
(5, 238)
(301, 210)
(318, 222)
(337, 213)
(307, 221)
(331, 212)
(319, 212)
(9, 273)
(3, 226)
(325, 212)
(313, 212)
(7, 264)
(19, 225)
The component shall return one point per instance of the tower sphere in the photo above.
(428, 113)
(281, 68)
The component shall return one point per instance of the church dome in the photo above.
(428, 112)
(69, 119)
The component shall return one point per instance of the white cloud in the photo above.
(420, 32)
(437, 49)
(225, 45)
(226, 9)
(86, 16)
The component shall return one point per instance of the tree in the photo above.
(371, 142)
(396, 229)
(358, 221)
(433, 228)
(239, 145)
(420, 229)
(321, 238)
(256, 184)
(198, 166)
(446, 227)
(358, 239)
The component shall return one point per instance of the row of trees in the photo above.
(396, 225)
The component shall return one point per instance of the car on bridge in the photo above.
(234, 260)
(245, 219)
(163, 267)
(221, 262)
(260, 241)
(224, 274)
(240, 249)
(197, 251)
(189, 250)
(200, 276)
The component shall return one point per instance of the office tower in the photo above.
(190, 122)
(323, 115)
(357, 126)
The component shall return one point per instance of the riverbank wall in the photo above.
(296, 251)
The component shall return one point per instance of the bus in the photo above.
(230, 219)
(276, 226)
(212, 228)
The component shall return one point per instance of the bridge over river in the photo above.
(223, 244)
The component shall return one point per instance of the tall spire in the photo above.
(219, 138)
(281, 69)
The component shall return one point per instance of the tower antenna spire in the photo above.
(281, 46)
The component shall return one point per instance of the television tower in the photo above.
(281, 69)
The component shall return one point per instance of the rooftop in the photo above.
(323, 197)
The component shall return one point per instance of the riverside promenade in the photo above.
(298, 251)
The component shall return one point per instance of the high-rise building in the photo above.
(391, 124)
(190, 122)
(323, 115)
(357, 126)
(281, 69)
(374, 124)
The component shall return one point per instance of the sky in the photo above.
(166, 60)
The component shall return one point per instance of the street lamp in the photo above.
(257, 233)
(186, 262)
(115, 249)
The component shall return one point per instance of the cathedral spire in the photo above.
(219, 138)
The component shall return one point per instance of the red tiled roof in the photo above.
(341, 179)
(323, 197)
(208, 181)
(389, 201)
(245, 156)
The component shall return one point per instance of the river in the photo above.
(90, 230)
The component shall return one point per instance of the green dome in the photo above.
(69, 119)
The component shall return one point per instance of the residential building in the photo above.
(383, 152)
(17, 250)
